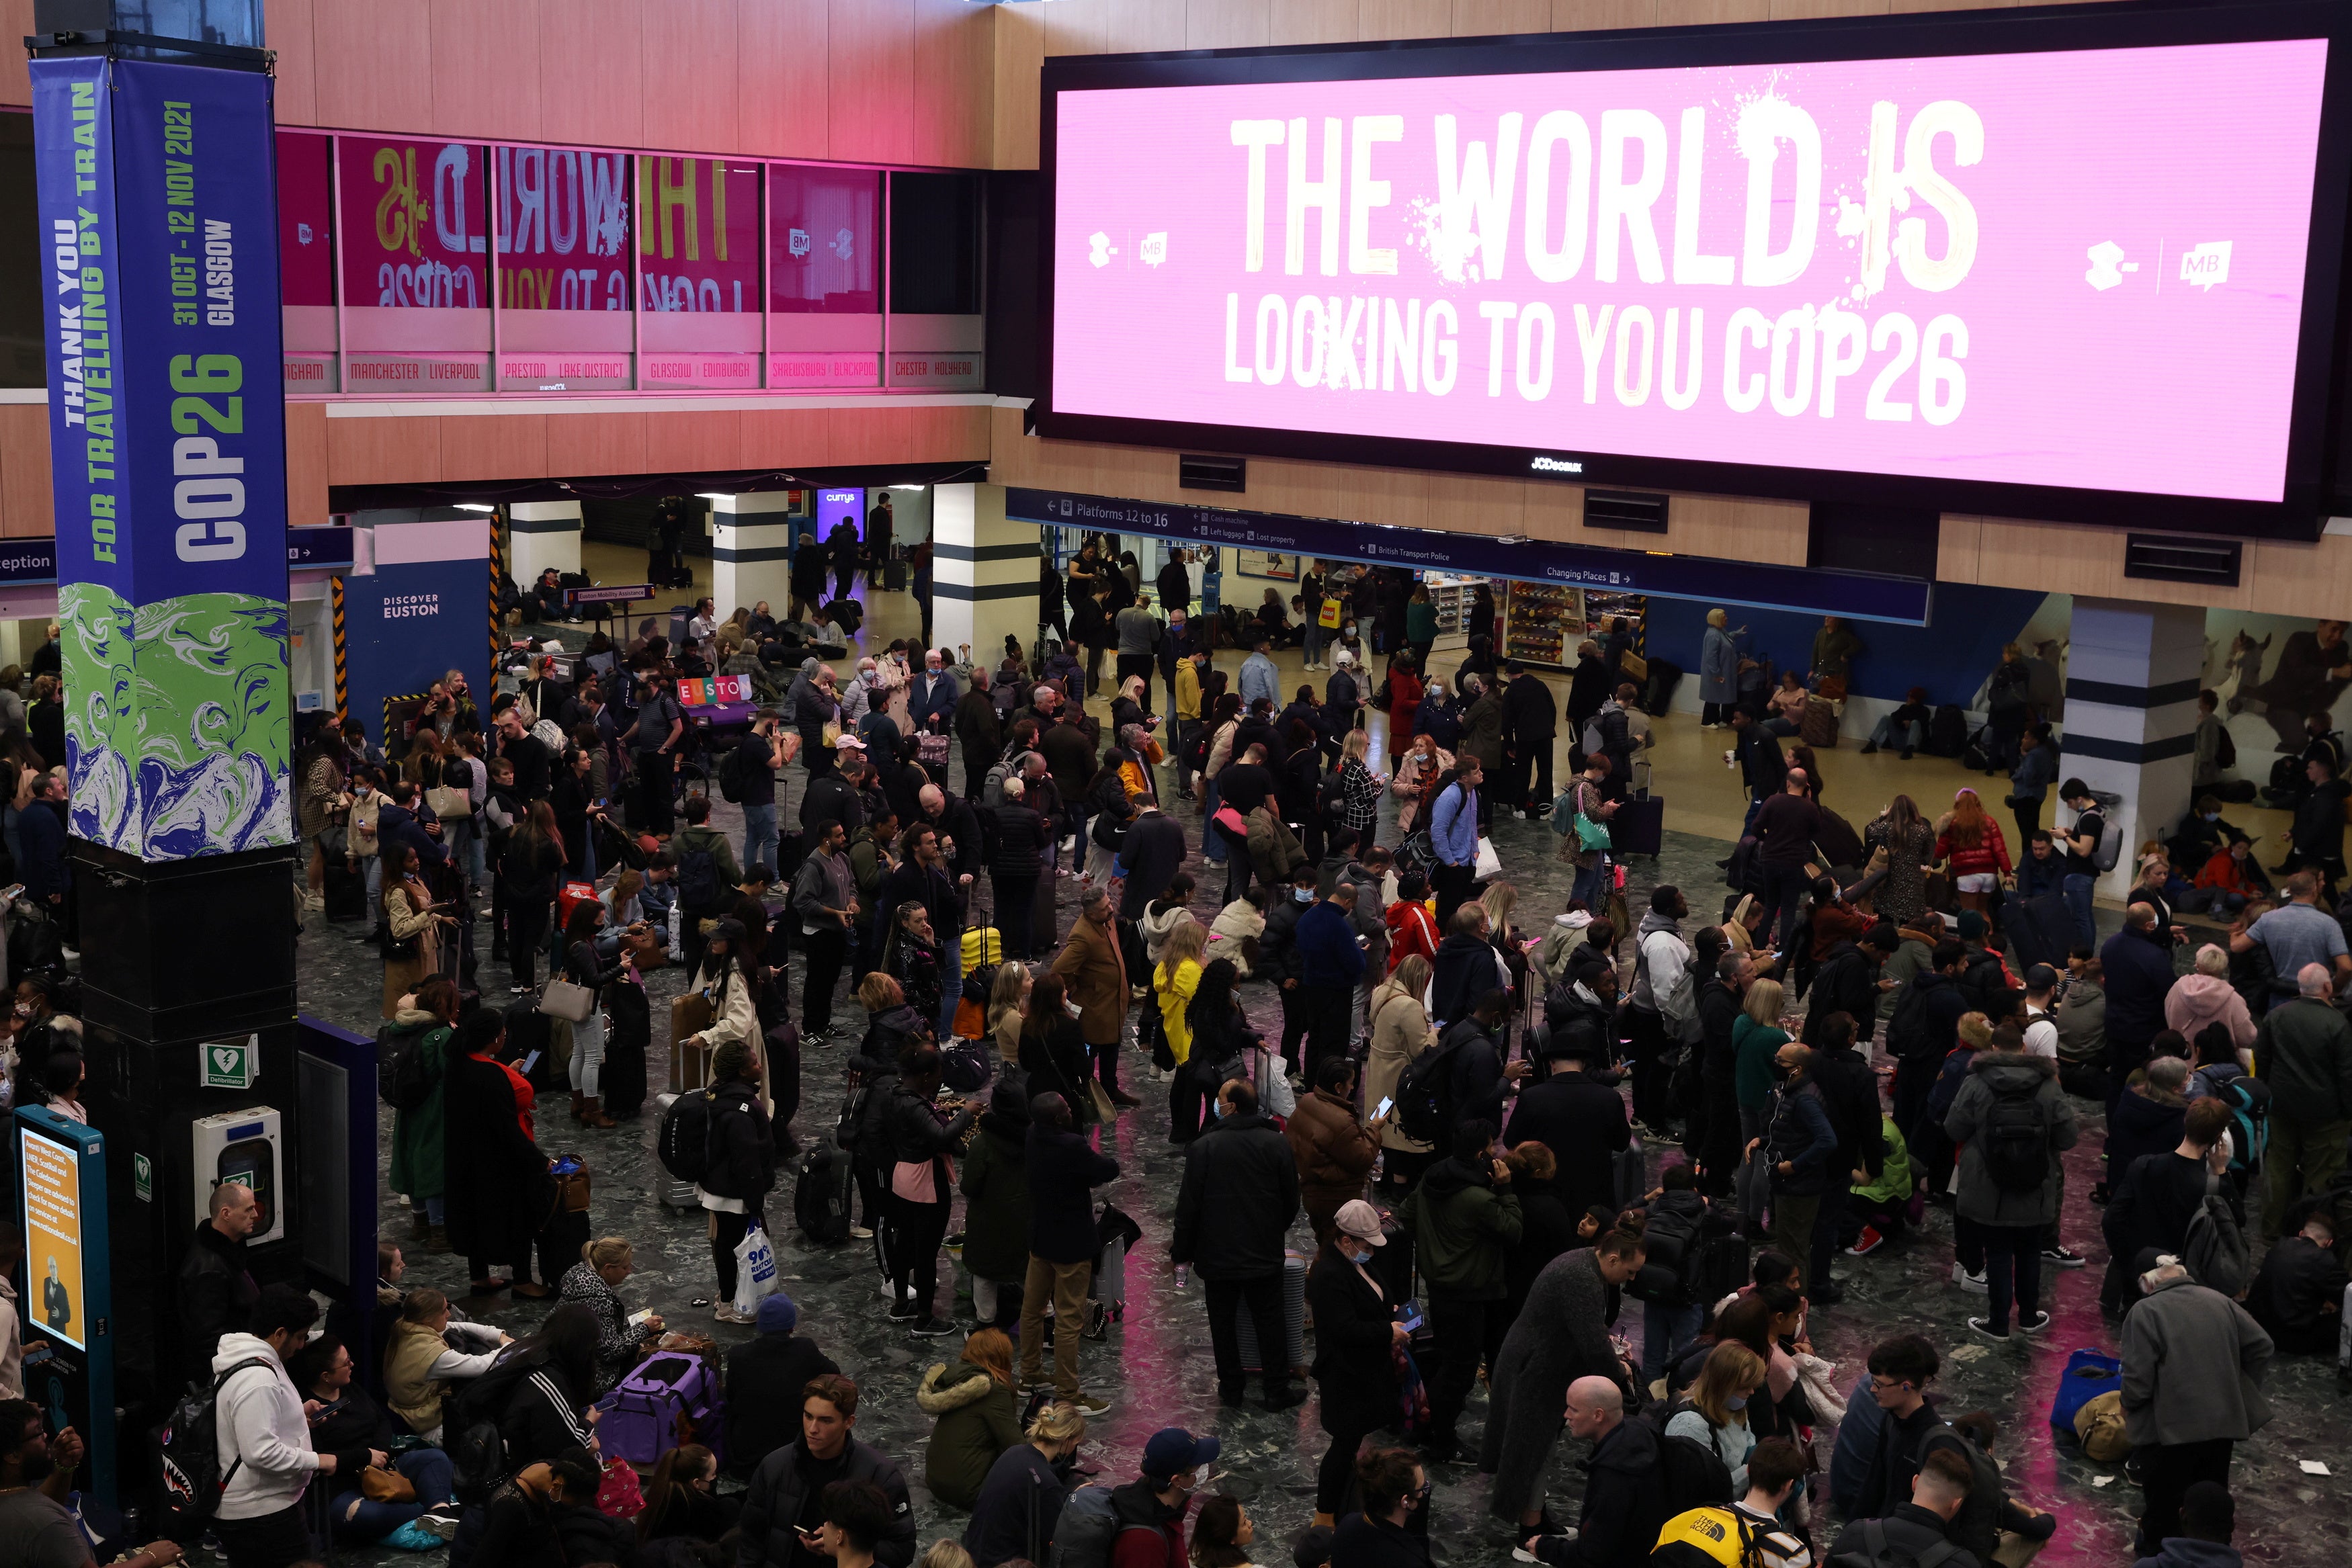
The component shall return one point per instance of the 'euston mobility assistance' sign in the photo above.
(159, 242)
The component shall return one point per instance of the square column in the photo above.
(543, 534)
(751, 552)
(984, 572)
(2132, 675)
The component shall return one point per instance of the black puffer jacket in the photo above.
(1240, 1194)
(918, 1133)
(742, 1158)
(772, 1507)
(1847, 982)
(1850, 1092)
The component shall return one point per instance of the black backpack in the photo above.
(731, 778)
(189, 1480)
(1691, 1473)
(2015, 1143)
(683, 1144)
(698, 880)
(408, 1080)
(1906, 1030)
(1670, 1245)
(821, 1195)
(1878, 1553)
(1947, 731)
(478, 1450)
(1425, 1096)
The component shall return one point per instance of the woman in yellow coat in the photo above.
(1172, 984)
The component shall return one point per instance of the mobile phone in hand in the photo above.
(1383, 1108)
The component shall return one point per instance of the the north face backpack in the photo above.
(2016, 1144)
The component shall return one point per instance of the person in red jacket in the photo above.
(1412, 929)
(1972, 843)
(1151, 1511)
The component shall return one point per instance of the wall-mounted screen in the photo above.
(1932, 259)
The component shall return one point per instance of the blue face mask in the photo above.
(1304, 895)
(1217, 1110)
(2213, 816)
(1734, 1402)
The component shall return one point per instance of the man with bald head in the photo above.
(1624, 1496)
(216, 1286)
(2303, 1049)
(1785, 827)
(2138, 961)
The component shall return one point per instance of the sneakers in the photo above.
(1983, 1328)
(441, 1520)
(1869, 1241)
(931, 1328)
(860, 1233)
(2033, 1324)
(1289, 1396)
(1093, 1404)
(1906, 753)
(907, 1312)
(725, 1313)
(1530, 1547)
(2061, 1258)
(1967, 1281)
(1869, 746)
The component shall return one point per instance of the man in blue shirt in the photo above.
(1331, 963)
(1454, 834)
(1259, 677)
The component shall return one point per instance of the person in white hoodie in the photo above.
(262, 1438)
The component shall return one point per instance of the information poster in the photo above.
(823, 282)
(416, 275)
(306, 260)
(53, 1241)
(699, 271)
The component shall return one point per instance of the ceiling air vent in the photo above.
(1213, 473)
(2173, 558)
(1630, 511)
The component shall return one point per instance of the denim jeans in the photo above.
(1312, 639)
(760, 835)
(1915, 734)
(426, 1469)
(1594, 880)
(373, 865)
(465, 846)
(2076, 889)
(950, 985)
(1666, 1332)
(1213, 844)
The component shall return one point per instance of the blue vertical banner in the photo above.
(167, 437)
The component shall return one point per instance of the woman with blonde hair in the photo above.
(1020, 1504)
(1419, 774)
(1756, 1034)
(1008, 996)
(1400, 1032)
(1972, 845)
(976, 1417)
(1359, 792)
(1717, 1414)
(594, 1282)
(1174, 982)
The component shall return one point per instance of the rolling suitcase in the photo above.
(346, 891)
(668, 1190)
(1294, 1320)
(1639, 828)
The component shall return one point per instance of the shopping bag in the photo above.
(1490, 864)
(755, 1271)
(1328, 617)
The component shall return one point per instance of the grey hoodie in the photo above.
(1643, 997)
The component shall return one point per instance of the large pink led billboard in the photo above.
(2064, 270)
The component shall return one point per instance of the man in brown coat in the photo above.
(1334, 1151)
(1093, 969)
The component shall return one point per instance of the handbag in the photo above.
(379, 1485)
(449, 802)
(563, 999)
(573, 1187)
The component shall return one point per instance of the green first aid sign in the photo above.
(230, 1064)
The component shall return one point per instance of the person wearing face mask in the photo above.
(1558, 1344)
(1801, 1141)
(1714, 1412)
(1356, 1340)
(1150, 1510)
(934, 692)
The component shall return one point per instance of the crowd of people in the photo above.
(1495, 1136)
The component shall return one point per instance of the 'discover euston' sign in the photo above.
(2076, 268)
(167, 443)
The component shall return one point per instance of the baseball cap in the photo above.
(1362, 1220)
(1172, 1451)
(727, 929)
(1344, 657)
(848, 743)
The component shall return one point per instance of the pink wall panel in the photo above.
(306, 464)
(954, 55)
(596, 443)
(374, 63)
(486, 78)
(781, 438)
(501, 446)
(27, 509)
(16, 81)
(781, 81)
(591, 71)
(689, 49)
(384, 451)
(691, 442)
(290, 27)
(872, 52)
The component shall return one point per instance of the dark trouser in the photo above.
(1262, 1294)
(1534, 756)
(1017, 912)
(1825, 1230)
(2167, 1470)
(1135, 667)
(2028, 813)
(558, 1244)
(1059, 621)
(816, 755)
(1716, 713)
(1647, 1046)
(1401, 1169)
(1784, 889)
(1453, 885)
(916, 1235)
(1467, 1332)
(267, 1540)
(1297, 1019)
(497, 914)
(487, 1268)
(1968, 1244)
(526, 935)
(975, 775)
(727, 1231)
(1915, 1078)
(691, 937)
(872, 1194)
(1106, 1061)
(1187, 1103)
(1720, 1154)
(827, 950)
(654, 813)
(1335, 1478)
(1792, 1222)
(1331, 1012)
